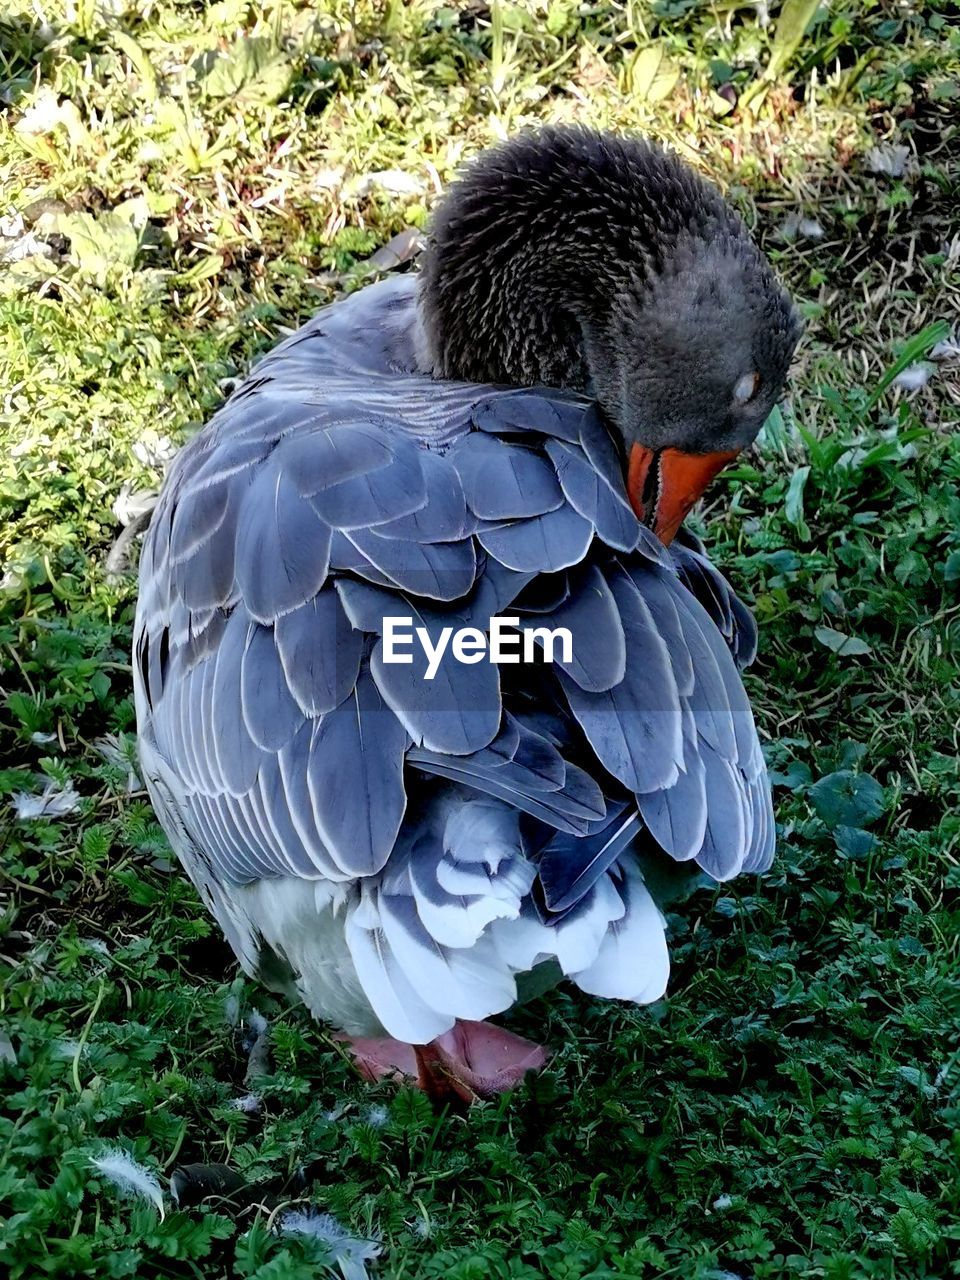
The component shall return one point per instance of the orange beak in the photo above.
(662, 486)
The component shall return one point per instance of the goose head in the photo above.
(603, 263)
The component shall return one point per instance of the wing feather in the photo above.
(337, 488)
(543, 544)
(283, 546)
(270, 712)
(319, 653)
(355, 779)
(238, 756)
(377, 496)
(504, 481)
(432, 570)
(456, 712)
(570, 867)
(598, 644)
(635, 727)
(293, 763)
(444, 518)
(545, 412)
(592, 497)
(724, 843)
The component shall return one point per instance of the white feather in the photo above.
(523, 942)
(581, 935)
(130, 1178)
(483, 831)
(300, 921)
(397, 1005)
(574, 942)
(511, 880)
(377, 1116)
(53, 802)
(459, 923)
(467, 879)
(467, 982)
(348, 1251)
(914, 377)
(633, 962)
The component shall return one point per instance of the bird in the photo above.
(509, 437)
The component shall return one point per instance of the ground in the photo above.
(181, 184)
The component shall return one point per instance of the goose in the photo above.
(509, 438)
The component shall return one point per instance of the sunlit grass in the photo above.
(182, 182)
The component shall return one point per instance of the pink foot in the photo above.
(473, 1060)
(380, 1058)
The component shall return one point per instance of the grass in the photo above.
(181, 182)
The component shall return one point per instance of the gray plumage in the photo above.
(401, 847)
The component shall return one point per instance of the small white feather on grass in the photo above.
(914, 376)
(54, 802)
(258, 1024)
(121, 752)
(378, 1116)
(129, 1178)
(892, 160)
(349, 1252)
(949, 349)
(796, 226)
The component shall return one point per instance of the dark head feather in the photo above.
(588, 260)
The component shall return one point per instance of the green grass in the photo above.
(192, 176)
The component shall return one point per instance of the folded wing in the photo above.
(468, 826)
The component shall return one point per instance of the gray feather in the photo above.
(544, 544)
(599, 652)
(375, 497)
(294, 761)
(677, 816)
(596, 443)
(335, 454)
(355, 777)
(270, 713)
(344, 555)
(659, 591)
(435, 570)
(723, 850)
(444, 517)
(504, 481)
(456, 712)
(303, 856)
(237, 754)
(570, 867)
(635, 727)
(592, 497)
(283, 547)
(523, 768)
(199, 513)
(547, 412)
(319, 652)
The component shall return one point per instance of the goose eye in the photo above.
(746, 388)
